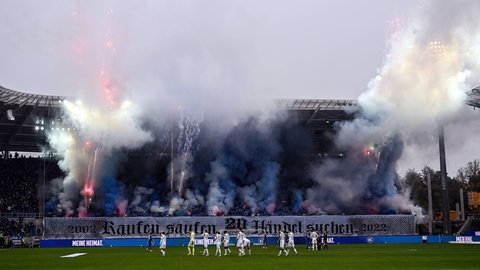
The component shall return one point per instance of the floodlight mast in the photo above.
(437, 49)
(443, 172)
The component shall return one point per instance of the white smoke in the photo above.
(141, 199)
(423, 82)
(85, 137)
(221, 192)
(430, 65)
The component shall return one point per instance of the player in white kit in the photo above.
(291, 243)
(226, 243)
(191, 244)
(240, 237)
(281, 243)
(218, 244)
(314, 237)
(163, 243)
(246, 244)
(205, 243)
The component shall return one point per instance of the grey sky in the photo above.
(293, 49)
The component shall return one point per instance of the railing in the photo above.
(19, 215)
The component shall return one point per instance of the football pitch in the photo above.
(355, 256)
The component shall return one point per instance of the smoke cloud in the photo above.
(421, 87)
(173, 114)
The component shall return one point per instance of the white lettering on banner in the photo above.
(78, 243)
(464, 239)
(114, 227)
(95, 243)
(87, 243)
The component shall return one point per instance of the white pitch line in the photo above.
(73, 255)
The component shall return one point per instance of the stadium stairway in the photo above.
(465, 225)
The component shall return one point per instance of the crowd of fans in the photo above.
(20, 179)
(18, 186)
(16, 228)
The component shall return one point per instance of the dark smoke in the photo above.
(259, 167)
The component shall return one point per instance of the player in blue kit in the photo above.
(149, 242)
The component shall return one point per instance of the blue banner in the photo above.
(271, 241)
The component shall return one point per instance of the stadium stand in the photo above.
(18, 189)
(21, 179)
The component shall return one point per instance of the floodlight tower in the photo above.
(437, 49)
(443, 172)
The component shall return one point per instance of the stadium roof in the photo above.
(319, 115)
(473, 97)
(23, 117)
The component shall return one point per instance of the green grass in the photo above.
(398, 256)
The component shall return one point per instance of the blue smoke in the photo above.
(256, 168)
(110, 194)
(386, 176)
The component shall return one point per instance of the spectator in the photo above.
(19, 178)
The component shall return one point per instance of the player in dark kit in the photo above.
(325, 242)
(265, 244)
(149, 242)
(319, 241)
(308, 241)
